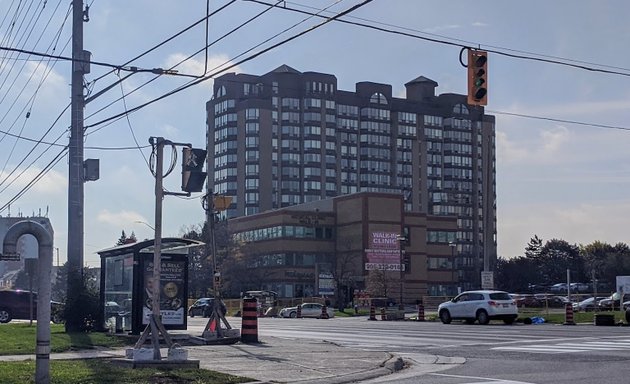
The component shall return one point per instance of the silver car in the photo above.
(307, 310)
(481, 306)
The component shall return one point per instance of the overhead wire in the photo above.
(577, 64)
(467, 42)
(220, 38)
(30, 104)
(249, 58)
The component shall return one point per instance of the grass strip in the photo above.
(19, 339)
(105, 371)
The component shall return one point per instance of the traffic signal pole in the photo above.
(155, 326)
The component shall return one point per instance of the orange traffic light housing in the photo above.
(477, 77)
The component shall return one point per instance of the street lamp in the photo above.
(401, 239)
(453, 245)
(145, 223)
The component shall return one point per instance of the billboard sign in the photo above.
(383, 252)
(171, 286)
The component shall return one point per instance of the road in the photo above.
(496, 353)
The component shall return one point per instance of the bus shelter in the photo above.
(127, 284)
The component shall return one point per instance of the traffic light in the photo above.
(477, 77)
(193, 176)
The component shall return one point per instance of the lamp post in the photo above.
(401, 239)
(453, 245)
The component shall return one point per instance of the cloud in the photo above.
(542, 149)
(581, 223)
(442, 28)
(120, 218)
(52, 183)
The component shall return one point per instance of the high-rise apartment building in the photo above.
(290, 137)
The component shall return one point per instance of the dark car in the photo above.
(203, 307)
(611, 303)
(16, 305)
(529, 301)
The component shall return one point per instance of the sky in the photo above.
(555, 179)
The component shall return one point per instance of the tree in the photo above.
(83, 312)
(534, 247)
(553, 260)
(123, 239)
(199, 263)
(516, 274)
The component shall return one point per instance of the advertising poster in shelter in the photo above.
(171, 286)
(384, 252)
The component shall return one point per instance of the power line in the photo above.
(596, 125)
(249, 58)
(182, 61)
(460, 45)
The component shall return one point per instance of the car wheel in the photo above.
(445, 316)
(57, 318)
(5, 315)
(293, 315)
(509, 321)
(482, 317)
(192, 313)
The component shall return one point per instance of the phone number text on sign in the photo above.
(383, 267)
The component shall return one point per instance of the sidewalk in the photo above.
(285, 360)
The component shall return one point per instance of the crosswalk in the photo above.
(570, 347)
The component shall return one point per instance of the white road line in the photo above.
(489, 379)
(542, 349)
(570, 347)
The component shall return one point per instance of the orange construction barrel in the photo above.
(249, 327)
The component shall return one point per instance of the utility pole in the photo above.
(80, 66)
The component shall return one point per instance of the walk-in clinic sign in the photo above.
(384, 252)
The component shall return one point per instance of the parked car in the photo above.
(528, 300)
(581, 287)
(558, 288)
(308, 310)
(203, 307)
(15, 304)
(610, 303)
(481, 306)
(587, 305)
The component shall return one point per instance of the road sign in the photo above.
(10, 257)
(487, 280)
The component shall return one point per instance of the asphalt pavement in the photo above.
(283, 360)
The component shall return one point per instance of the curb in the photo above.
(391, 365)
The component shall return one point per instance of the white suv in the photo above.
(482, 306)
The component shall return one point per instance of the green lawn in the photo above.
(103, 371)
(19, 338)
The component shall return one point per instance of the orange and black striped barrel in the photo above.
(420, 311)
(372, 312)
(569, 314)
(249, 327)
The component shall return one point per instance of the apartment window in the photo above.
(288, 102)
(251, 169)
(252, 113)
(251, 142)
(378, 98)
(251, 183)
